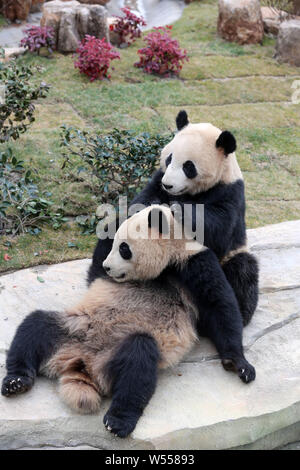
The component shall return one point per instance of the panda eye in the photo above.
(125, 251)
(169, 159)
(189, 169)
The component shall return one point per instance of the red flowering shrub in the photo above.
(162, 55)
(37, 37)
(128, 27)
(94, 57)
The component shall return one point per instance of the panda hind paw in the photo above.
(15, 384)
(246, 373)
(243, 368)
(120, 424)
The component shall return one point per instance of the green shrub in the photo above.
(22, 207)
(17, 110)
(119, 163)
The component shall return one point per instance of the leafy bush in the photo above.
(162, 55)
(17, 110)
(128, 27)
(94, 57)
(37, 37)
(120, 162)
(283, 5)
(22, 207)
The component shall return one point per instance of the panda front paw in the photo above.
(120, 423)
(242, 367)
(15, 384)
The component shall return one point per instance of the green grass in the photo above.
(3, 21)
(240, 88)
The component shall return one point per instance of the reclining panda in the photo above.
(127, 326)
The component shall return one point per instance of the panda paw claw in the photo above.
(120, 424)
(14, 385)
(247, 373)
(243, 368)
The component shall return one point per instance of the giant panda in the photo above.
(199, 166)
(127, 326)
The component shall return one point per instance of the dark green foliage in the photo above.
(22, 207)
(121, 161)
(17, 110)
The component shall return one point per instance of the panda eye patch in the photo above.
(189, 169)
(125, 251)
(168, 160)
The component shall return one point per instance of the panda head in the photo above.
(198, 157)
(146, 243)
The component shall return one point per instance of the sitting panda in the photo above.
(127, 326)
(199, 166)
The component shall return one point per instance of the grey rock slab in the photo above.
(22, 292)
(288, 39)
(72, 21)
(197, 405)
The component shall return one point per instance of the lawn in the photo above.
(239, 88)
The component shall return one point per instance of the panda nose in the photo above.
(106, 268)
(167, 186)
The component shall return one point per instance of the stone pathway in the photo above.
(10, 36)
(156, 12)
(197, 404)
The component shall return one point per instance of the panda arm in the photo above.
(153, 192)
(219, 317)
(219, 222)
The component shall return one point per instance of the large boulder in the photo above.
(197, 405)
(71, 21)
(240, 21)
(288, 42)
(16, 9)
(272, 18)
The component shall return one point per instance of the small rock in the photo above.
(71, 21)
(11, 52)
(240, 21)
(288, 42)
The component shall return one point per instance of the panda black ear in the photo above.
(227, 142)
(157, 219)
(182, 120)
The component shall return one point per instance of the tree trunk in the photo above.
(296, 7)
(16, 9)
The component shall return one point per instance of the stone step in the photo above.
(197, 405)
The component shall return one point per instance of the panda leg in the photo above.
(219, 316)
(133, 374)
(101, 252)
(34, 342)
(241, 272)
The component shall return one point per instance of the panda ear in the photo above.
(182, 120)
(227, 142)
(158, 220)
